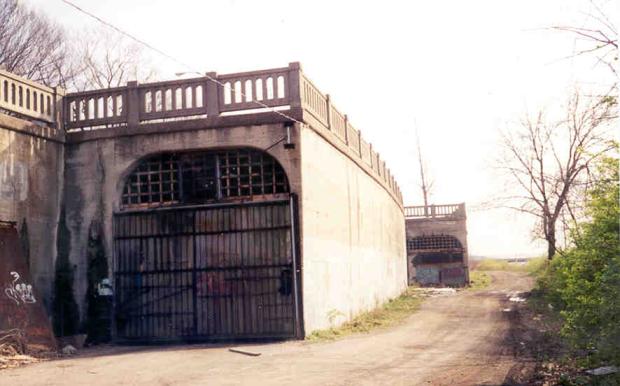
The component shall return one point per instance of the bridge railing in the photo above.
(455, 211)
(213, 95)
(94, 108)
(320, 106)
(29, 99)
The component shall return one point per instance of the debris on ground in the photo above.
(431, 291)
(15, 351)
(605, 370)
(76, 341)
(244, 352)
(10, 361)
(69, 350)
(516, 297)
(12, 342)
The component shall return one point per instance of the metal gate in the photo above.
(207, 273)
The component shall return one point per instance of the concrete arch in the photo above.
(281, 187)
(95, 172)
(128, 152)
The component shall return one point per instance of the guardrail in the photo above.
(29, 99)
(456, 211)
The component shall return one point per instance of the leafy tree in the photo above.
(585, 283)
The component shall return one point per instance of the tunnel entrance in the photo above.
(437, 259)
(205, 249)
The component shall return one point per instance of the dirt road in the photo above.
(463, 339)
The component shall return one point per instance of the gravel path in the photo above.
(459, 339)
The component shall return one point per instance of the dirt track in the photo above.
(462, 339)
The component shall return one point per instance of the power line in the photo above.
(160, 52)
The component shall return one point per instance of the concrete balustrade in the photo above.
(29, 99)
(221, 100)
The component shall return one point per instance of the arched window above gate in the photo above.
(434, 243)
(203, 177)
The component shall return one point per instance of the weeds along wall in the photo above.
(353, 237)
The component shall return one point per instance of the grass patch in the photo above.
(479, 280)
(531, 267)
(391, 313)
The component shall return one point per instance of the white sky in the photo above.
(461, 70)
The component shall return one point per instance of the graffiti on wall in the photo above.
(427, 275)
(19, 292)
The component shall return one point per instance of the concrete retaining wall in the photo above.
(353, 237)
(31, 172)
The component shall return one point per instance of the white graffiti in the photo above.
(19, 291)
(104, 288)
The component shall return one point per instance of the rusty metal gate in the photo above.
(207, 273)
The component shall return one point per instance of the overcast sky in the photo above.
(460, 70)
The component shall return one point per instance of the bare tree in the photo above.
(106, 59)
(32, 46)
(548, 162)
(598, 37)
(426, 185)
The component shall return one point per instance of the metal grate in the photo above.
(437, 242)
(208, 273)
(204, 177)
(437, 258)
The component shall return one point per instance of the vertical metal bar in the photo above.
(162, 276)
(259, 285)
(218, 175)
(130, 275)
(218, 274)
(115, 284)
(143, 294)
(296, 288)
(194, 276)
(271, 259)
(241, 291)
(230, 309)
(201, 263)
(264, 252)
(186, 291)
(129, 266)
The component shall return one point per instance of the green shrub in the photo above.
(584, 282)
(479, 280)
(389, 314)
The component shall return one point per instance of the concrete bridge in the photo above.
(226, 206)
